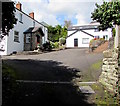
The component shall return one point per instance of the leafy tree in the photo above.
(57, 32)
(8, 17)
(107, 14)
(64, 32)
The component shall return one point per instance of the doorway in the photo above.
(75, 42)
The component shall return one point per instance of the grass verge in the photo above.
(9, 84)
(103, 97)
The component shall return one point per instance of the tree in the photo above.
(54, 33)
(107, 14)
(8, 17)
(67, 23)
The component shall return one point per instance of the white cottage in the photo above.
(80, 36)
(26, 34)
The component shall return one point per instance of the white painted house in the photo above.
(80, 36)
(23, 33)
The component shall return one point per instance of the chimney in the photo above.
(31, 15)
(19, 6)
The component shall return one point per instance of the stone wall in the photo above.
(110, 69)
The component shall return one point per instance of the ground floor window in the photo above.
(16, 36)
(28, 37)
(85, 40)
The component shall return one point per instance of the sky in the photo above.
(54, 12)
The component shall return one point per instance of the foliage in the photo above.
(54, 33)
(8, 17)
(62, 41)
(56, 44)
(107, 14)
(47, 46)
(113, 32)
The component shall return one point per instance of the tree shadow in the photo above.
(44, 93)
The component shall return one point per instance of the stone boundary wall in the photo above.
(110, 71)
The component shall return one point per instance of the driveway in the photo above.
(32, 65)
(59, 66)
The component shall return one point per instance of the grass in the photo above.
(103, 97)
(9, 84)
(96, 65)
(92, 72)
(8, 70)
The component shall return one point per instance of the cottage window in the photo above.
(85, 40)
(20, 17)
(16, 36)
(28, 38)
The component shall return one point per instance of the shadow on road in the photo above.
(44, 93)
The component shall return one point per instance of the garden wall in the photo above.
(110, 70)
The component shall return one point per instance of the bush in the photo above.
(62, 41)
(56, 44)
(47, 46)
(52, 44)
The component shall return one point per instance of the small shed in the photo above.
(33, 38)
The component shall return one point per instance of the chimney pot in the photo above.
(19, 6)
(31, 15)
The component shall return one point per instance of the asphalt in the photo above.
(53, 66)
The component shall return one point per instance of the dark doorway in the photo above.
(38, 38)
(37, 42)
(76, 42)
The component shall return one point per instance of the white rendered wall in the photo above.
(10, 45)
(80, 35)
(3, 45)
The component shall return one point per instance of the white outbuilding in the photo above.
(80, 36)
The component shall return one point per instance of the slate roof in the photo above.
(33, 30)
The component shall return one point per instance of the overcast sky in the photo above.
(54, 12)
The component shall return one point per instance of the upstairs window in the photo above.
(20, 18)
(16, 36)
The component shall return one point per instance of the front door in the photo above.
(76, 42)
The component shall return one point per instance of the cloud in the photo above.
(51, 10)
(80, 19)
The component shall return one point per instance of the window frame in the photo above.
(16, 36)
(28, 38)
(85, 42)
(21, 18)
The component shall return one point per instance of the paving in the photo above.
(55, 69)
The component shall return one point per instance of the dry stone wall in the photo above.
(110, 70)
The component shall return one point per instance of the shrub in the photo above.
(47, 46)
(52, 44)
(62, 41)
(56, 44)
